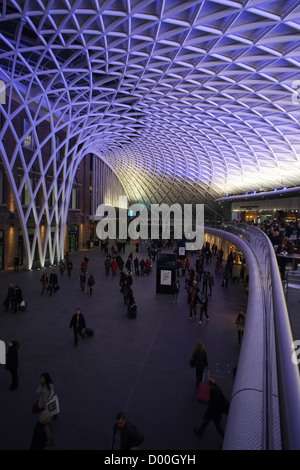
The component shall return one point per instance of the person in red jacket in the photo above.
(147, 266)
(193, 301)
(114, 266)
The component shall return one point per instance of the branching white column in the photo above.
(25, 155)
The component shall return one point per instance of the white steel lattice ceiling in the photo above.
(185, 100)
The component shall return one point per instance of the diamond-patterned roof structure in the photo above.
(185, 100)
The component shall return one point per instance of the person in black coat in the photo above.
(10, 298)
(136, 265)
(18, 298)
(130, 297)
(12, 363)
(132, 308)
(16, 263)
(44, 281)
(217, 405)
(125, 435)
(78, 325)
(203, 308)
(125, 290)
(91, 282)
(200, 360)
(193, 301)
(69, 267)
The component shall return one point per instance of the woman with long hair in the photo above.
(200, 360)
(45, 390)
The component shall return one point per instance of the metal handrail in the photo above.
(274, 386)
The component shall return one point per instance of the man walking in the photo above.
(217, 405)
(78, 324)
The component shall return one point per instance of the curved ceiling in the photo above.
(186, 101)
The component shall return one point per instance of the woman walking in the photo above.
(200, 360)
(10, 298)
(240, 323)
(91, 282)
(193, 301)
(45, 391)
(203, 308)
(211, 282)
(82, 280)
(44, 281)
(69, 267)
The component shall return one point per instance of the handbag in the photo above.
(53, 405)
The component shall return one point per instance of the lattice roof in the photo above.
(186, 101)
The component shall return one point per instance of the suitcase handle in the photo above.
(205, 375)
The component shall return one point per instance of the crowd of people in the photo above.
(284, 237)
(198, 275)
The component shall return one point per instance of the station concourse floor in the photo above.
(139, 366)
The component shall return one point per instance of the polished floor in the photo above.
(139, 366)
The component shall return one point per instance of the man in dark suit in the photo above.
(78, 324)
(125, 435)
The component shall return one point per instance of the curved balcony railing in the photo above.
(265, 404)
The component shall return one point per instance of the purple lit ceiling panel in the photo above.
(186, 101)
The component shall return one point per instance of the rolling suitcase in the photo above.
(89, 332)
(203, 389)
(132, 311)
